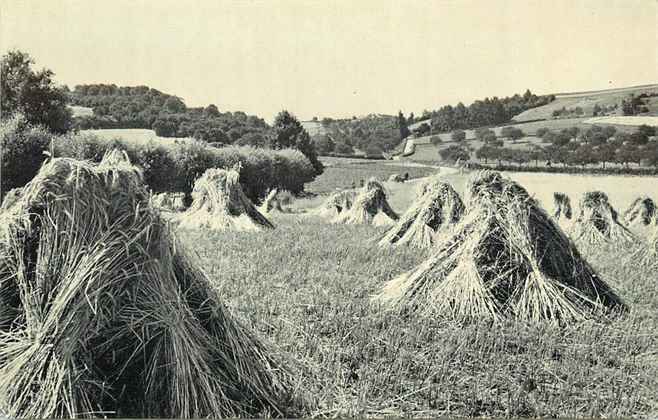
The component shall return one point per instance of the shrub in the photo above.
(22, 147)
(175, 168)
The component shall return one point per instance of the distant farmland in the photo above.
(587, 101)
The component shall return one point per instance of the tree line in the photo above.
(373, 134)
(487, 112)
(35, 95)
(569, 147)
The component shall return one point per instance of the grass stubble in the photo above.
(360, 360)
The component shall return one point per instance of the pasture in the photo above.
(306, 286)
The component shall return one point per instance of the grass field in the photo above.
(587, 101)
(342, 173)
(135, 136)
(306, 285)
(627, 120)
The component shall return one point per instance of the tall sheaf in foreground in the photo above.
(103, 313)
(505, 259)
(220, 204)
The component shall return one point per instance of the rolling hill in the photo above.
(587, 101)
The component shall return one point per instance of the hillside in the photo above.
(142, 107)
(588, 100)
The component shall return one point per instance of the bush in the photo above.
(435, 140)
(373, 151)
(176, 167)
(22, 147)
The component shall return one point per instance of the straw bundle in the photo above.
(173, 202)
(396, 178)
(562, 205)
(219, 204)
(437, 210)
(102, 313)
(11, 197)
(506, 258)
(597, 223)
(335, 204)
(642, 212)
(369, 207)
(276, 201)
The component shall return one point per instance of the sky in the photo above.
(338, 58)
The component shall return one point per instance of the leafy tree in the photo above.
(289, 132)
(402, 124)
(487, 152)
(164, 127)
(513, 133)
(596, 110)
(454, 153)
(32, 94)
(626, 153)
(485, 134)
(174, 105)
(373, 150)
(458, 135)
(541, 132)
(647, 130)
(604, 153)
(324, 144)
(639, 138)
(211, 111)
(344, 149)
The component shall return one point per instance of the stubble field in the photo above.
(306, 287)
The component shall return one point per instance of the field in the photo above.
(341, 173)
(587, 101)
(306, 286)
(628, 120)
(135, 136)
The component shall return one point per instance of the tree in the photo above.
(402, 124)
(32, 94)
(541, 132)
(483, 134)
(647, 130)
(324, 144)
(458, 135)
(344, 149)
(639, 138)
(211, 111)
(596, 110)
(372, 150)
(512, 133)
(604, 153)
(174, 105)
(454, 153)
(164, 127)
(289, 133)
(487, 152)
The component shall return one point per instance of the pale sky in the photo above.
(339, 58)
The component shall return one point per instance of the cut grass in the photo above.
(361, 362)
